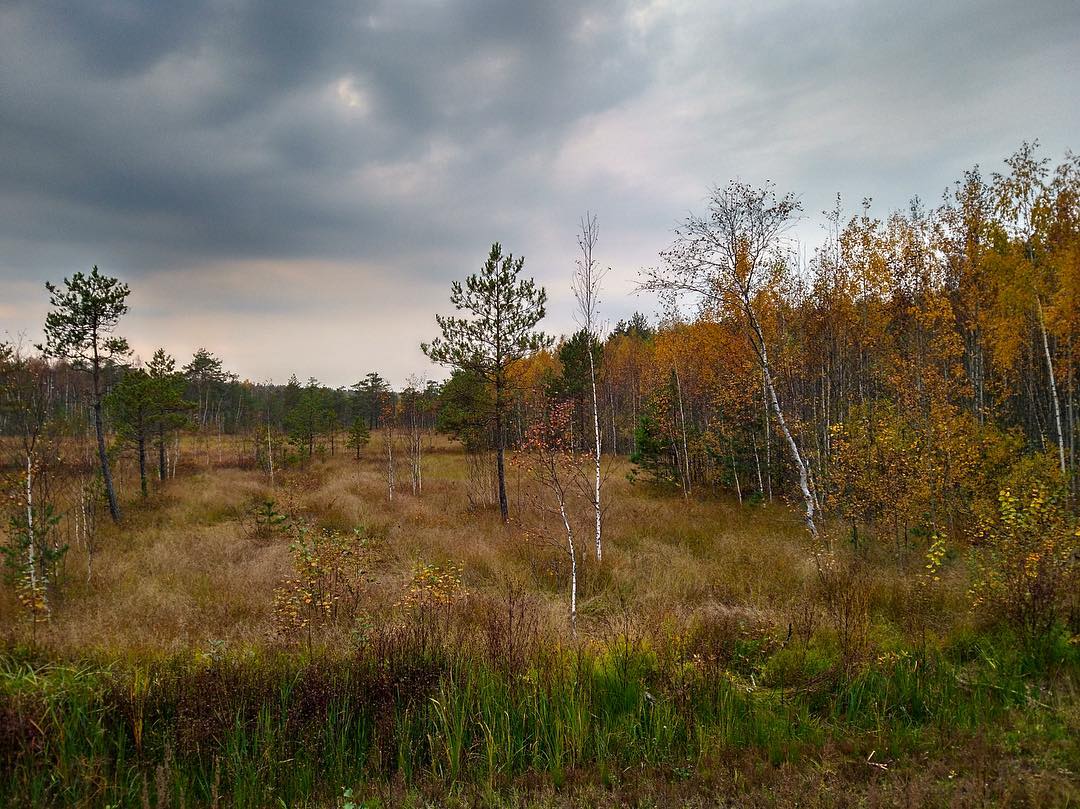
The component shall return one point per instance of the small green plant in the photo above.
(268, 520)
(31, 560)
(358, 436)
(347, 801)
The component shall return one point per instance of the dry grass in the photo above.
(183, 570)
(706, 586)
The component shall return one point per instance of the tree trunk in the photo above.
(682, 418)
(796, 456)
(415, 450)
(573, 557)
(270, 449)
(757, 463)
(390, 462)
(735, 472)
(768, 439)
(162, 467)
(31, 542)
(142, 465)
(596, 456)
(1053, 386)
(614, 432)
(500, 461)
(103, 458)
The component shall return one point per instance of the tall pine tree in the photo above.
(503, 312)
(79, 329)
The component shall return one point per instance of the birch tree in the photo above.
(388, 415)
(726, 258)
(27, 401)
(587, 279)
(1020, 195)
(549, 456)
(414, 403)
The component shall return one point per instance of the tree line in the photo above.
(901, 386)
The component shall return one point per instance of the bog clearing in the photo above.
(315, 643)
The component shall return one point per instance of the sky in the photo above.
(295, 185)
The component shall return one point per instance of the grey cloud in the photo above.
(392, 140)
(168, 134)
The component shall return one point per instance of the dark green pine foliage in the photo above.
(80, 329)
(291, 396)
(130, 405)
(502, 311)
(148, 404)
(206, 373)
(359, 436)
(636, 326)
(308, 418)
(465, 410)
(574, 383)
(371, 394)
(654, 456)
(171, 409)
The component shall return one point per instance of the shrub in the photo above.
(1026, 561)
(332, 572)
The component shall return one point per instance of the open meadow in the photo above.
(313, 643)
(757, 485)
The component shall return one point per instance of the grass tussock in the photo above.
(452, 696)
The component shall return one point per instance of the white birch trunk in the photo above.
(1053, 386)
(682, 419)
(270, 452)
(735, 472)
(796, 456)
(573, 559)
(31, 543)
(757, 463)
(596, 455)
(390, 465)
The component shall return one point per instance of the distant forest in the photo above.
(913, 379)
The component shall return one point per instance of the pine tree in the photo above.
(307, 419)
(359, 436)
(371, 393)
(504, 311)
(80, 329)
(465, 409)
(131, 408)
(171, 409)
(575, 382)
(204, 372)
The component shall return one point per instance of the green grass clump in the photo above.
(289, 729)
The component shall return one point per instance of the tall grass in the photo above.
(278, 729)
(682, 667)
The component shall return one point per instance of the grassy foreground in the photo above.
(412, 711)
(712, 666)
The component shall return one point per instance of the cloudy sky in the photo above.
(294, 185)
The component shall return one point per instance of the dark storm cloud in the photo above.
(167, 132)
(253, 163)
